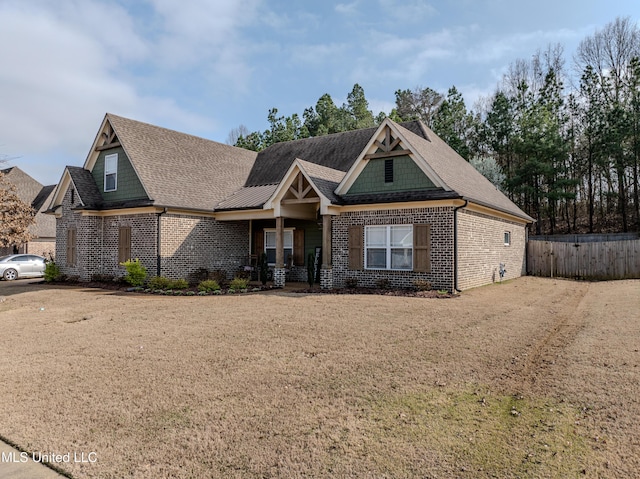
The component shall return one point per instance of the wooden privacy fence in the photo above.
(585, 260)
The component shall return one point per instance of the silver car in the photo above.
(17, 266)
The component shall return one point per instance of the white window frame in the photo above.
(388, 247)
(111, 170)
(507, 238)
(287, 232)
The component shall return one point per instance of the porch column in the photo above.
(278, 270)
(326, 271)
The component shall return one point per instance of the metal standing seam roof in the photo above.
(247, 197)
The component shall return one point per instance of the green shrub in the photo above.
(136, 272)
(208, 285)
(220, 276)
(51, 272)
(179, 284)
(159, 282)
(383, 283)
(239, 283)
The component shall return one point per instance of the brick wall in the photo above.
(481, 249)
(441, 221)
(191, 242)
(188, 243)
(41, 247)
(143, 242)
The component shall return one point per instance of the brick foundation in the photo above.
(279, 277)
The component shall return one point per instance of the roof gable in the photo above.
(337, 151)
(459, 175)
(85, 187)
(389, 141)
(175, 169)
(306, 182)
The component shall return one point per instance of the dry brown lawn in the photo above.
(531, 378)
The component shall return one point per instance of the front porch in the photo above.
(289, 245)
(292, 226)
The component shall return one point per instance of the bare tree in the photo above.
(236, 133)
(15, 216)
(609, 52)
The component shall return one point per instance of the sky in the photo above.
(205, 67)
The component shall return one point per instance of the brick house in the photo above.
(390, 202)
(43, 230)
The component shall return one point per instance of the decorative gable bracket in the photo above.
(108, 138)
(387, 146)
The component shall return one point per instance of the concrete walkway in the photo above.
(12, 467)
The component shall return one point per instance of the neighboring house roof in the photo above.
(181, 170)
(31, 191)
(27, 188)
(337, 151)
(40, 200)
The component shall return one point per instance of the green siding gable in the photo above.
(407, 176)
(128, 185)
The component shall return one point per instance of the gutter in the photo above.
(158, 243)
(455, 246)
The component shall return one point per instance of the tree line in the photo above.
(563, 143)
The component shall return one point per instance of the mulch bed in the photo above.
(409, 293)
(118, 286)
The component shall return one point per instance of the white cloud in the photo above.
(200, 30)
(410, 11)
(347, 8)
(64, 70)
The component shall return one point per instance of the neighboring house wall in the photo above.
(42, 247)
(193, 242)
(407, 176)
(441, 221)
(481, 249)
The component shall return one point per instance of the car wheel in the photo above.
(10, 274)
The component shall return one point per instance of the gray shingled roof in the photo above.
(337, 151)
(458, 174)
(33, 193)
(325, 179)
(85, 187)
(181, 170)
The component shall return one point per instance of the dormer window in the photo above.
(111, 172)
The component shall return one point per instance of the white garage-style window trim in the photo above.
(111, 172)
(389, 247)
(270, 245)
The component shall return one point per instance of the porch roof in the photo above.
(247, 197)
